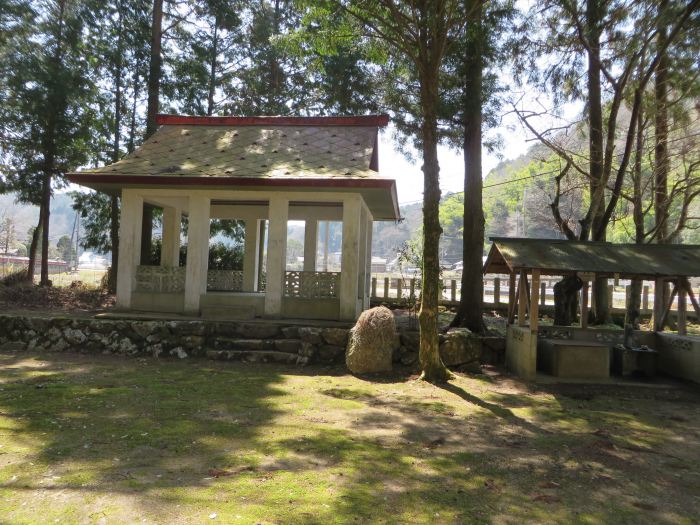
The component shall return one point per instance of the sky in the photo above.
(409, 177)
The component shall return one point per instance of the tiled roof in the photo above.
(258, 151)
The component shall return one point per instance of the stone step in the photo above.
(255, 356)
(225, 313)
(234, 343)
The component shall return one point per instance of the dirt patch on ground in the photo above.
(77, 299)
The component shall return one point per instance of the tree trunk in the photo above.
(116, 154)
(36, 234)
(114, 237)
(429, 354)
(151, 113)
(469, 312)
(146, 234)
(565, 300)
(154, 68)
(46, 207)
(661, 159)
(633, 314)
(212, 68)
(596, 155)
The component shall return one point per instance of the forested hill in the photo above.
(504, 189)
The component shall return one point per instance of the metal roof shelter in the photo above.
(525, 260)
(563, 257)
(588, 260)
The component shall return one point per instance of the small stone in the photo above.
(179, 352)
(288, 345)
(290, 332)
(74, 337)
(461, 346)
(331, 353)
(311, 335)
(258, 331)
(335, 336)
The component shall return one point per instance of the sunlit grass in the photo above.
(126, 440)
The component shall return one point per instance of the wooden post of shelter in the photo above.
(522, 298)
(693, 300)
(534, 299)
(496, 291)
(512, 298)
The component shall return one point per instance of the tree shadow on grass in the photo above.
(139, 428)
(315, 445)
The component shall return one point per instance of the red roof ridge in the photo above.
(357, 120)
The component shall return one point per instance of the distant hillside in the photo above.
(26, 216)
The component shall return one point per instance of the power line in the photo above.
(495, 184)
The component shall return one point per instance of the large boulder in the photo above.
(371, 342)
(461, 347)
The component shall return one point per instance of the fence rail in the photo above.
(390, 289)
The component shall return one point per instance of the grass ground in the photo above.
(109, 440)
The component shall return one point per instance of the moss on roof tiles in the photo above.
(251, 151)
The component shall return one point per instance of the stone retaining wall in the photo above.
(274, 341)
(268, 341)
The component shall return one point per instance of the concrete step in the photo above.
(225, 313)
(253, 356)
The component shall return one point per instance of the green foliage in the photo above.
(94, 209)
(66, 249)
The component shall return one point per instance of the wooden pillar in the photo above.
(278, 214)
(522, 298)
(131, 216)
(197, 252)
(170, 246)
(350, 258)
(310, 240)
(497, 291)
(511, 298)
(250, 256)
(534, 300)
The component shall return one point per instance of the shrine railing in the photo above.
(312, 285)
(160, 279)
(224, 281)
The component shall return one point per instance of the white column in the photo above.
(250, 256)
(197, 252)
(368, 263)
(129, 245)
(170, 247)
(276, 255)
(350, 258)
(362, 256)
(310, 237)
